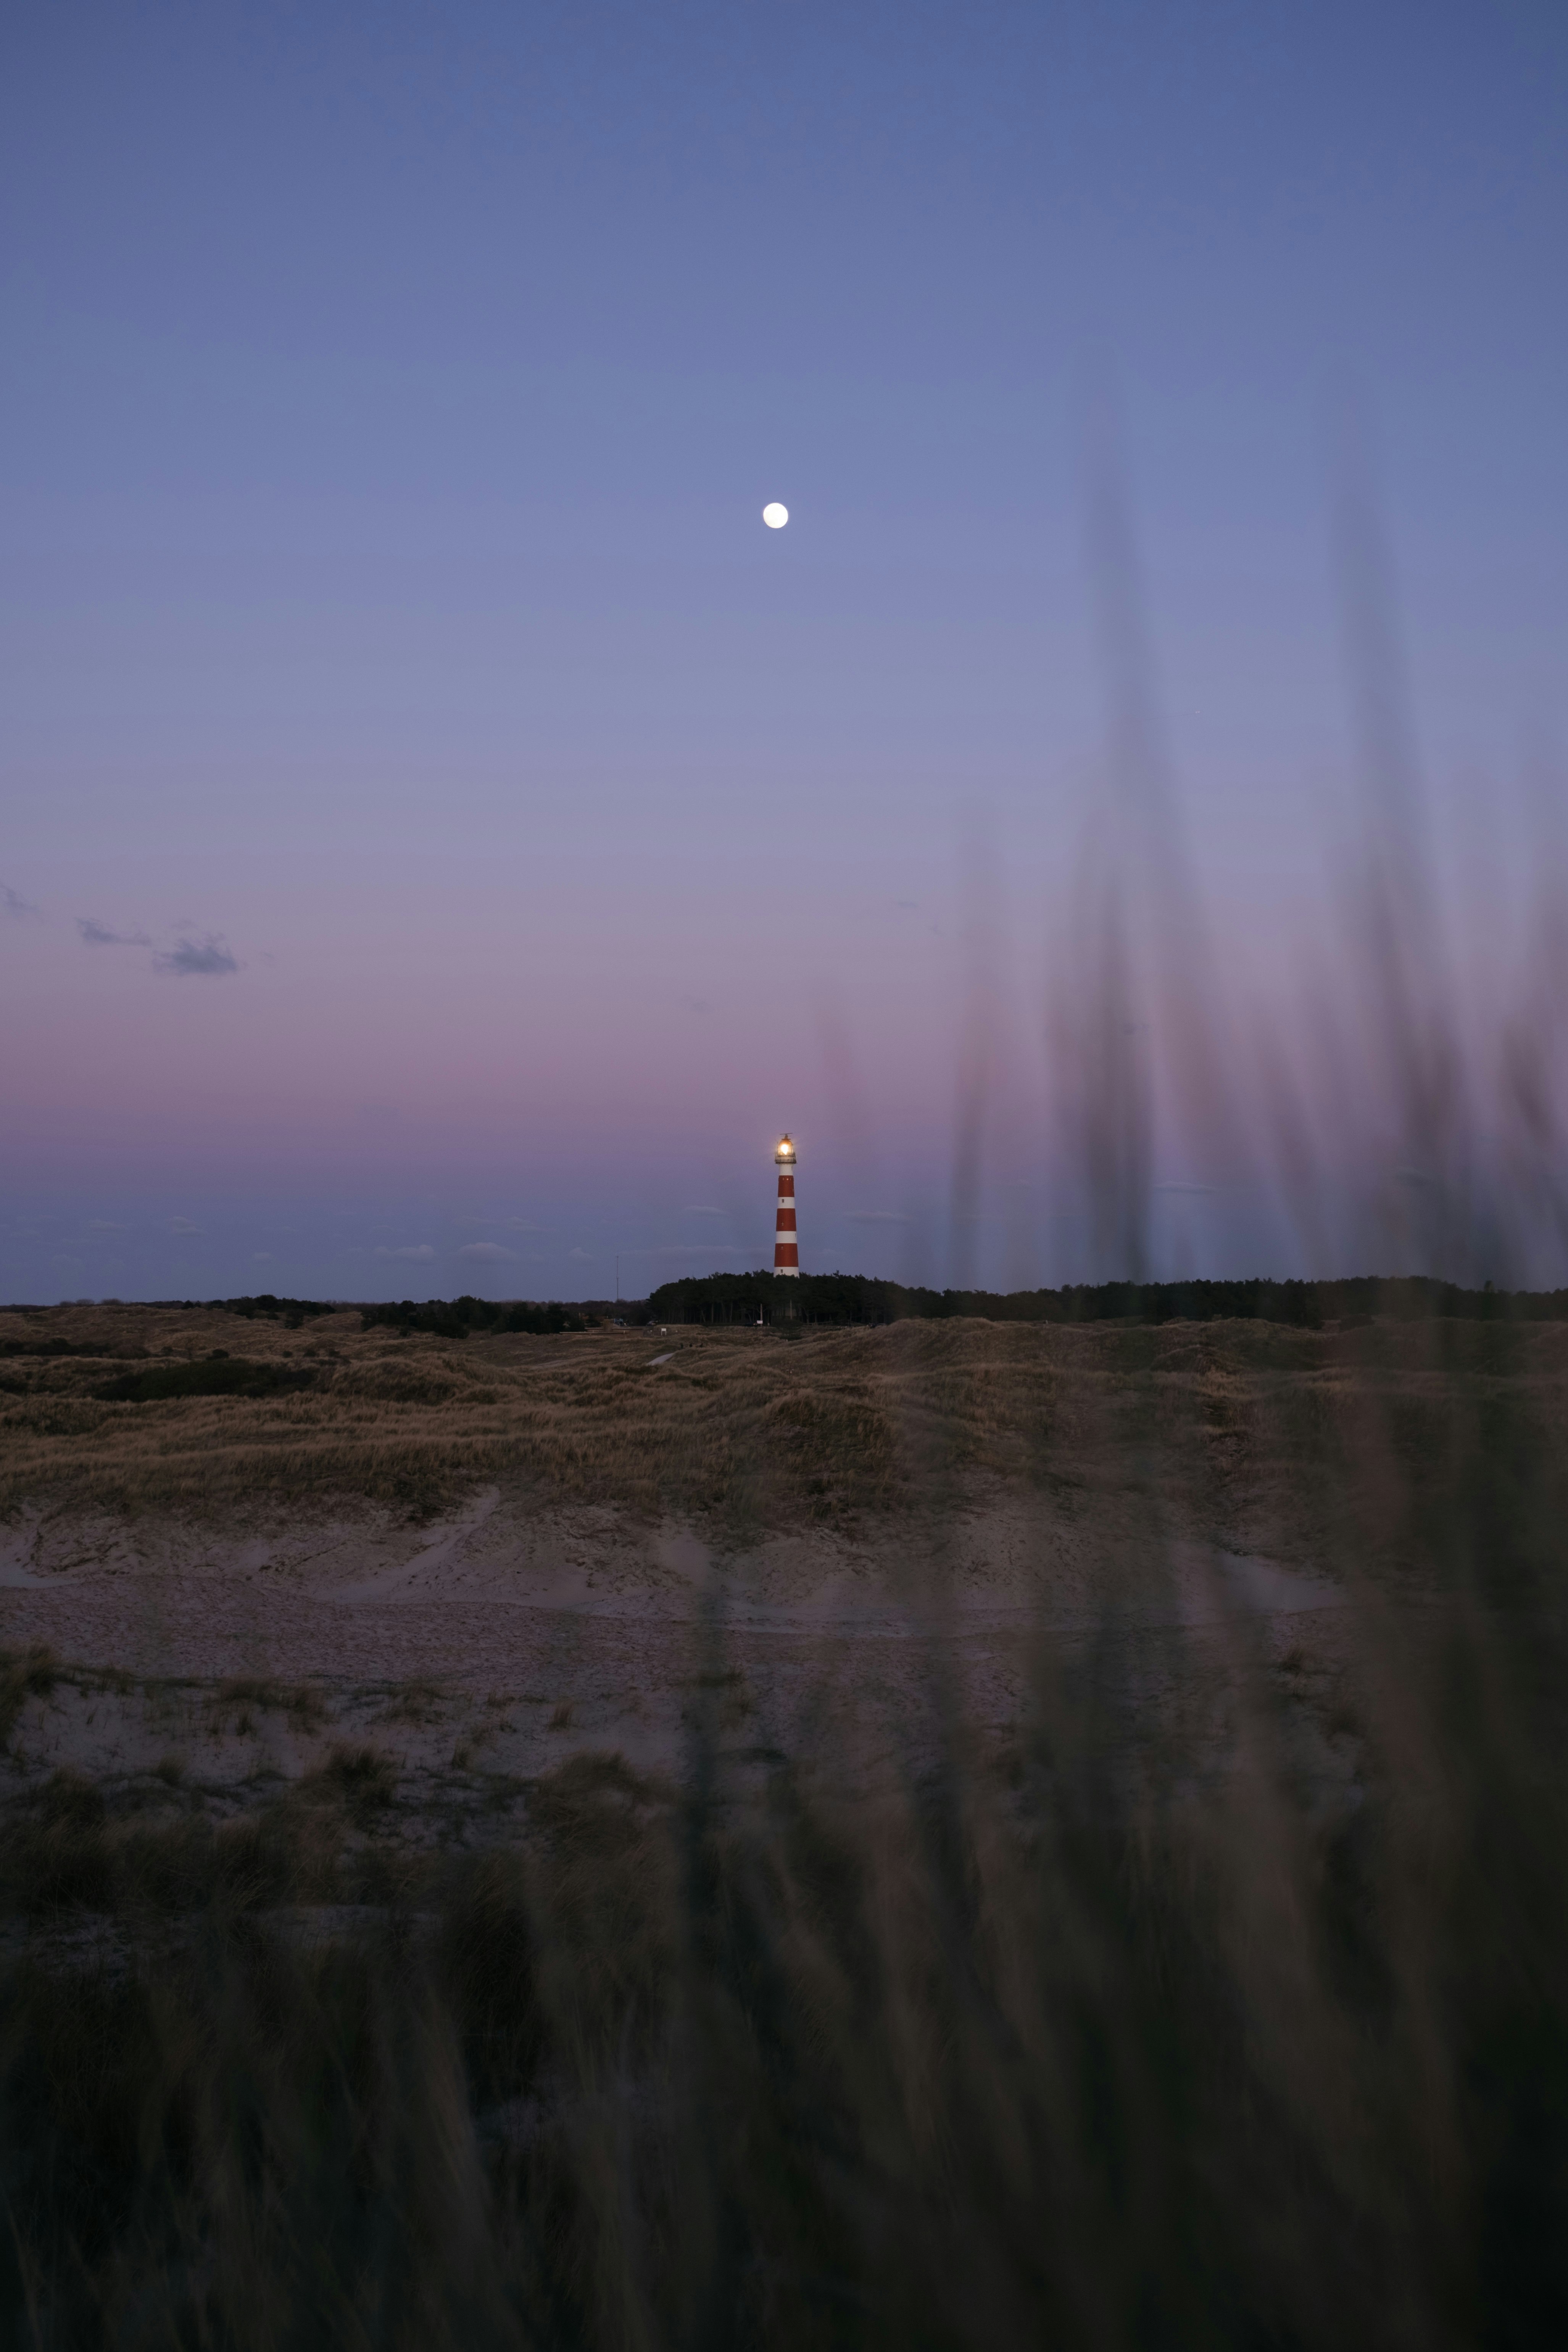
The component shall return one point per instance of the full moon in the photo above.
(775, 515)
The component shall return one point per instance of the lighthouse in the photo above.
(786, 1246)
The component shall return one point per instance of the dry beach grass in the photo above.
(1231, 1421)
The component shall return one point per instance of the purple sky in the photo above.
(439, 818)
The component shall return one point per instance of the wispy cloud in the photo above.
(13, 903)
(103, 1225)
(876, 1217)
(200, 957)
(99, 935)
(413, 1249)
(581, 1257)
(693, 1249)
(489, 1252)
(183, 1225)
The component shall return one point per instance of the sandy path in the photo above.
(495, 1592)
(583, 1630)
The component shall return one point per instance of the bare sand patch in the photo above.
(484, 1648)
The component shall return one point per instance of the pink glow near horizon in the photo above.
(926, 1060)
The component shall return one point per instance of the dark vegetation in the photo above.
(263, 1308)
(293, 1312)
(215, 1375)
(52, 1346)
(857, 1298)
(455, 1319)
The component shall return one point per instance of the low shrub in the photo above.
(211, 1376)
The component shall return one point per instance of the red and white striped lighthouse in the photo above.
(786, 1245)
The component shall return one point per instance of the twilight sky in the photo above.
(444, 835)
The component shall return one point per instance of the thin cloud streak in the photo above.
(192, 958)
(99, 935)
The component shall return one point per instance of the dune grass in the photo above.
(745, 1428)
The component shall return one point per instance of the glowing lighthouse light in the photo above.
(786, 1245)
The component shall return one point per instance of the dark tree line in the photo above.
(838, 1298)
(455, 1319)
(858, 1299)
